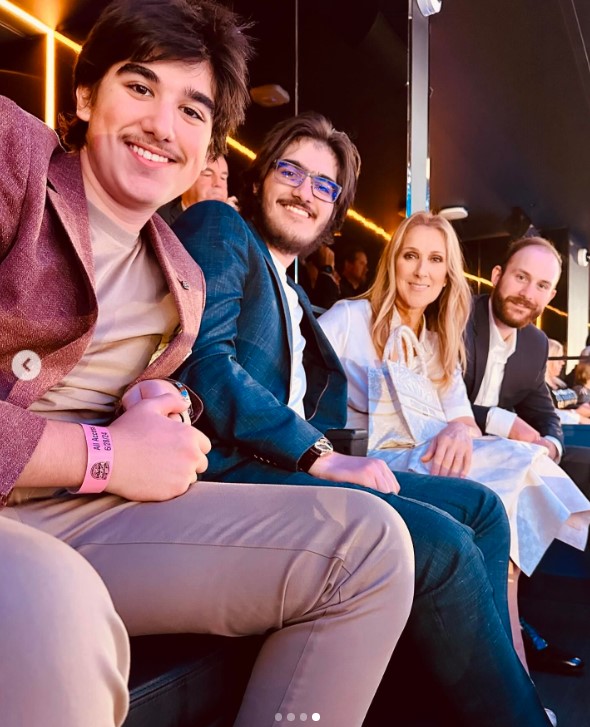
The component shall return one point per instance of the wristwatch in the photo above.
(320, 449)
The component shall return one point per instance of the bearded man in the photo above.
(505, 379)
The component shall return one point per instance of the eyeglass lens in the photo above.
(322, 188)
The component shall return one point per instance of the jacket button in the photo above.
(185, 284)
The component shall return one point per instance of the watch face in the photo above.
(323, 446)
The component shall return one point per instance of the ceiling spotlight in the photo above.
(453, 213)
(269, 95)
(429, 7)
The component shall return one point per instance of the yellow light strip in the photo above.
(16, 12)
(76, 47)
(475, 279)
(50, 79)
(240, 148)
(368, 224)
(556, 310)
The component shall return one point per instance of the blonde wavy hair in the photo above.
(447, 315)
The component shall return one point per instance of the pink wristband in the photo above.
(99, 466)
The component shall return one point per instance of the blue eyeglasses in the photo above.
(294, 176)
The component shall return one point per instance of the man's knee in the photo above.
(375, 545)
(55, 609)
(45, 574)
(489, 509)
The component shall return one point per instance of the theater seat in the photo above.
(187, 680)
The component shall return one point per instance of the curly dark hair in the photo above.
(172, 30)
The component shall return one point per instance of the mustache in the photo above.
(522, 302)
(303, 206)
(152, 144)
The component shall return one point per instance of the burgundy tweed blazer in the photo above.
(47, 295)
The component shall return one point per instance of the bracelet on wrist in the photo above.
(99, 464)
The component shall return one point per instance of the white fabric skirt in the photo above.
(542, 502)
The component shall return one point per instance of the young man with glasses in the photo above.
(274, 387)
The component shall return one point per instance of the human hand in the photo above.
(523, 432)
(233, 202)
(149, 389)
(451, 450)
(553, 451)
(364, 471)
(156, 458)
(584, 410)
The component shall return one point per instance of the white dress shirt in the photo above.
(499, 421)
(298, 383)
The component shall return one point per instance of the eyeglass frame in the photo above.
(315, 178)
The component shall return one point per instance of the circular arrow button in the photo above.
(26, 365)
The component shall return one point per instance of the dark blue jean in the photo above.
(459, 621)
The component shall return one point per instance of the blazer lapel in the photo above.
(65, 191)
(185, 281)
(278, 286)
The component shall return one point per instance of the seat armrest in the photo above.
(349, 441)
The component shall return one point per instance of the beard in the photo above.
(291, 244)
(502, 312)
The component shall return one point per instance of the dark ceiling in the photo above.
(510, 99)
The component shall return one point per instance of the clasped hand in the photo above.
(157, 456)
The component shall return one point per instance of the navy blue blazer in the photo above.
(241, 362)
(523, 389)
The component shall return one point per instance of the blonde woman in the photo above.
(420, 284)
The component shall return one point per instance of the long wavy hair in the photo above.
(447, 315)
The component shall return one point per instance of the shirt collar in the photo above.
(281, 269)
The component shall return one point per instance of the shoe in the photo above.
(542, 656)
(552, 717)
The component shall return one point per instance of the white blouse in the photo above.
(347, 326)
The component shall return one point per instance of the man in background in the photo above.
(210, 184)
(354, 270)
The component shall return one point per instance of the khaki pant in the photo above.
(328, 571)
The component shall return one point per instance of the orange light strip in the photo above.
(16, 12)
(50, 79)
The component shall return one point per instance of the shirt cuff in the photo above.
(499, 421)
(558, 444)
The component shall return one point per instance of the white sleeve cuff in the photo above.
(568, 416)
(499, 421)
(558, 444)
